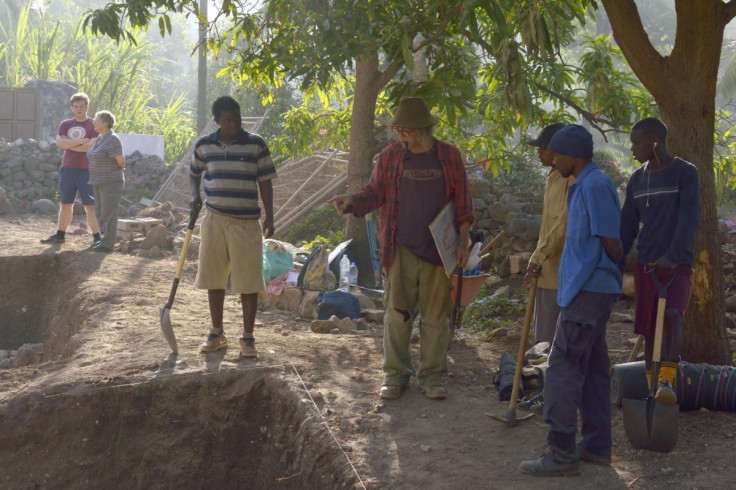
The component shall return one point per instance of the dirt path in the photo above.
(108, 379)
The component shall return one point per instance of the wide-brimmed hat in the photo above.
(413, 113)
(545, 136)
(573, 140)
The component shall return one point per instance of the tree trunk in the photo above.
(683, 85)
(361, 157)
(690, 136)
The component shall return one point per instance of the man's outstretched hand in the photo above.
(343, 203)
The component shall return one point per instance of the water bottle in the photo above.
(474, 257)
(353, 274)
(344, 273)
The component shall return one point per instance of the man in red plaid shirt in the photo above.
(412, 181)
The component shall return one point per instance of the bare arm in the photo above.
(194, 183)
(75, 145)
(121, 161)
(614, 248)
(266, 190)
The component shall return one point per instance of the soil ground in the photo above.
(109, 383)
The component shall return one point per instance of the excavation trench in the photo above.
(254, 429)
(40, 304)
(232, 429)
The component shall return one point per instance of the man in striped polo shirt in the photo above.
(236, 166)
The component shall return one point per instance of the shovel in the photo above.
(166, 327)
(649, 424)
(510, 419)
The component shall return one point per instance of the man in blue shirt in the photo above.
(589, 282)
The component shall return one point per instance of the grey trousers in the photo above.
(546, 311)
(107, 199)
(577, 376)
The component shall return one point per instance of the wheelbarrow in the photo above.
(466, 288)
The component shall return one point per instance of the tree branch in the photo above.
(443, 25)
(729, 10)
(629, 33)
(391, 70)
(593, 119)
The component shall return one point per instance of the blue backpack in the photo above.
(339, 303)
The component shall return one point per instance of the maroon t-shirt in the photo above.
(75, 130)
(422, 198)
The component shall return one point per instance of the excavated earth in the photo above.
(106, 405)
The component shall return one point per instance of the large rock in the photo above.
(28, 354)
(373, 315)
(518, 262)
(308, 305)
(524, 228)
(5, 207)
(156, 236)
(479, 188)
(731, 304)
(43, 206)
(323, 326)
(289, 299)
(723, 233)
(498, 213)
(479, 205)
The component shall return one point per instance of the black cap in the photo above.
(546, 135)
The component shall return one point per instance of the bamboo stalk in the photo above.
(280, 212)
(309, 204)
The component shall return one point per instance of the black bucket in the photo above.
(628, 380)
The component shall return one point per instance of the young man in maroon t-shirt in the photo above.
(75, 136)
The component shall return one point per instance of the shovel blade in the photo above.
(651, 425)
(167, 329)
(510, 418)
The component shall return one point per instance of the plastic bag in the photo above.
(315, 274)
(276, 260)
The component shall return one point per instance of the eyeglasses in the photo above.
(403, 131)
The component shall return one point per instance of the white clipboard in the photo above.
(446, 237)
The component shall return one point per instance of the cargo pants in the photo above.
(413, 286)
(578, 375)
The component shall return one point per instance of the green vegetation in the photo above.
(120, 78)
(322, 227)
(487, 313)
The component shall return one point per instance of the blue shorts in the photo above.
(73, 180)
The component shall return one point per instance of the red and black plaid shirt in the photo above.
(384, 191)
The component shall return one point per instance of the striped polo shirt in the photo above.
(232, 172)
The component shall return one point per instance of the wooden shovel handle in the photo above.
(522, 345)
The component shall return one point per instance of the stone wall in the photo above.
(30, 164)
(518, 214)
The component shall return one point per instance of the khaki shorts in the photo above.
(230, 247)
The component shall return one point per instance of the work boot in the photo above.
(248, 347)
(585, 455)
(437, 392)
(215, 340)
(55, 238)
(391, 392)
(665, 394)
(554, 462)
